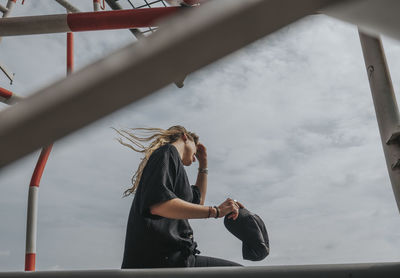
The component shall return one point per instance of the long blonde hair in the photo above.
(158, 137)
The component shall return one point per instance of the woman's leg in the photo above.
(204, 261)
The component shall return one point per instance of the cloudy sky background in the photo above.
(290, 130)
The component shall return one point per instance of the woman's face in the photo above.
(189, 154)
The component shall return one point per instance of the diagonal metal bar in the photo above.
(212, 31)
(9, 75)
(68, 6)
(365, 270)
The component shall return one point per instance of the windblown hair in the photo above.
(158, 137)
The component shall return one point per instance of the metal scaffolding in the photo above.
(67, 103)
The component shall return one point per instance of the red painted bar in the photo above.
(70, 52)
(30, 261)
(37, 173)
(5, 93)
(120, 19)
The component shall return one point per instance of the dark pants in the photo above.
(204, 261)
(176, 260)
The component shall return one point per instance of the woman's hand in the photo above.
(230, 206)
(201, 155)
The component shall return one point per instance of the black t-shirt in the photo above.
(152, 239)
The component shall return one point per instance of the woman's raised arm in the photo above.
(201, 181)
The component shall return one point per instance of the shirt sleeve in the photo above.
(196, 194)
(158, 182)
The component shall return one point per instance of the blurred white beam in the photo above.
(373, 17)
(185, 43)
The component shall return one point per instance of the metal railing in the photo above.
(367, 270)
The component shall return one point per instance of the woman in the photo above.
(158, 232)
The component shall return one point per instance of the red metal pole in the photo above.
(5, 93)
(9, 97)
(31, 227)
(70, 52)
(30, 254)
(121, 19)
(38, 172)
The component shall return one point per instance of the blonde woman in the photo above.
(158, 232)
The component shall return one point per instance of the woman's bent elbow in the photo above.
(161, 209)
(155, 209)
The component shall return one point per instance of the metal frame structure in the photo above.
(164, 55)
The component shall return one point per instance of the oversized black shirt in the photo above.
(150, 239)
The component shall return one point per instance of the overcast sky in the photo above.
(290, 130)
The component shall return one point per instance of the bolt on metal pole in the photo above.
(387, 112)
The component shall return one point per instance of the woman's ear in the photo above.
(184, 138)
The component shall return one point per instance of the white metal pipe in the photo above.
(364, 270)
(96, 5)
(34, 25)
(31, 226)
(14, 99)
(212, 31)
(10, 5)
(71, 8)
(3, 9)
(31, 229)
